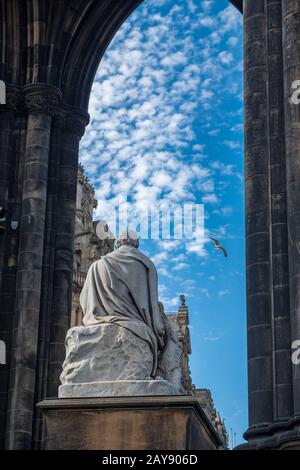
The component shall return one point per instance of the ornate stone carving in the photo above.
(205, 399)
(41, 98)
(76, 121)
(14, 100)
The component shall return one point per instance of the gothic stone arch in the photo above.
(50, 51)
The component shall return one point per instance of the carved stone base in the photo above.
(129, 423)
(117, 388)
(284, 436)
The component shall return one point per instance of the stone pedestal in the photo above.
(129, 423)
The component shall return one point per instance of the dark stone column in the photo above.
(270, 384)
(40, 102)
(273, 256)
(282, 370)
(48, 272)
(9, 164)
(258, 216)
(75, 123)
(291, 45)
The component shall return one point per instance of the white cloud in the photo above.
(164, 272)
(224, 292)
(224, 169)
(224, 211)
(214, 132)
(180, 266)
(232, 41)
(210, 199)
(211, 338)
(197, 248)
(159, 258)
(191, 6)
(179, 258)
(206, 4)
(237, 128)
(170, 303)
(169, 245)
(204, 292)
(154, 90)
(233, 144)
(226, 57)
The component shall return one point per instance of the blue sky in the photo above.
(167, 124)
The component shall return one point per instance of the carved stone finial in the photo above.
(182, 300)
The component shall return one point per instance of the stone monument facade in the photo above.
(205, 399)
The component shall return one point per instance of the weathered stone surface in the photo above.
(136, 423)
(291, 67)
(105, 352)
(118, 388)
(266, 208)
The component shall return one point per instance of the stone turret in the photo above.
(180, 323)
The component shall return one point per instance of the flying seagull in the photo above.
(219, 247)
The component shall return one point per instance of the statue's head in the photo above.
(128, 237)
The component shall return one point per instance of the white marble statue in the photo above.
(126, 344)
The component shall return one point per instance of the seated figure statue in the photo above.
(126, 345)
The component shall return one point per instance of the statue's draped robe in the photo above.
(122, 288)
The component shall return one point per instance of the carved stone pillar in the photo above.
(291, 47)
(40, 103)
(271, 46)
(48, 270)
(258, 216)
(74, 126)
(269, 359)
(11, 129)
